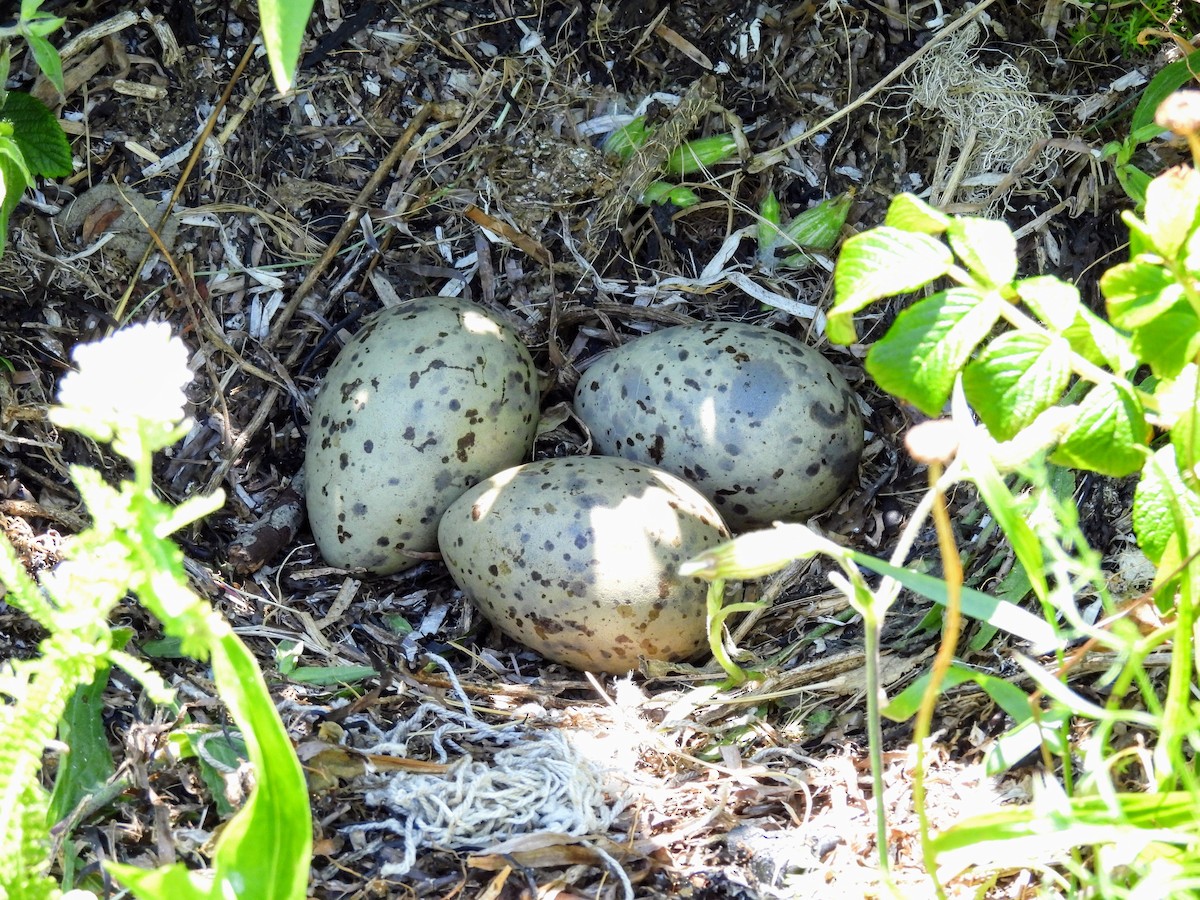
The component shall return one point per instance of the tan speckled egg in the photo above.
(428, 399)
(762, 424)
(578, 558)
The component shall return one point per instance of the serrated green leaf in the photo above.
(1161, 502)
(39, 136)
(283, 23)
(1108, 434)
(46, 56)
(1172, 204)
(1169, 341)
(987, 247)
(910, 213)
(1054, 301)
(880, 263)
(1016, 377)
(1137, 292)
(928, 344)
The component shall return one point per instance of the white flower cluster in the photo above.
(137, 375)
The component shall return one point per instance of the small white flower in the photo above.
(137, 375)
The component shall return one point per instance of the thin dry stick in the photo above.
(360, 204)
(768, 158)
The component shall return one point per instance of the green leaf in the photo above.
(999, 499)
(1007, 695)
(174, 881)
(1169, 341)
(12, 185)
(283, 23)
(987, 247)
(265, 850)
(88, 762)
(627, 139)
(44, 53)
(1016, 377)
(1172, 204)
(1108, 434)
(327, 675)
(38, 135)
(1168, 80)
(910, 213)
(1137, 292)
(1016, 836)
(880, 263)
(1056, 303)
(929, 343)
(1163, 505)
(976, 604)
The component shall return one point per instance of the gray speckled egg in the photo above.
(428, 399)
(759, 422)
(578, 558)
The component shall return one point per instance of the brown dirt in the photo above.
(488, 110)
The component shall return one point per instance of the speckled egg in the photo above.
(760, 423)
(428, 399)
(578, 558)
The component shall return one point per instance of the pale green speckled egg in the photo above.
(428, 399)
(578, 558)
(761, 424)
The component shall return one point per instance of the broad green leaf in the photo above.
(1007, 695)
(1137, 292)
(1168, 80)
(880, 263)
(1169, 341)
(283, 23)
(1056, 303)
(1162, 503)
(1109, 433)
(910, 213)
(1016, 377)
(1172, 204)
(928, 344)
(987, 247)
(976, 604)
(41, 140)
(44, 53)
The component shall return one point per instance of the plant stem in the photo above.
(952, 570)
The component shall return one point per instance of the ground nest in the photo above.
(453, 149)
